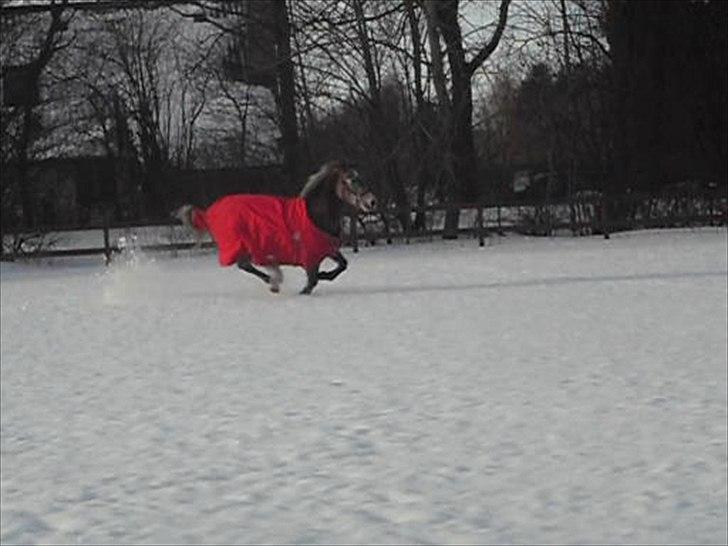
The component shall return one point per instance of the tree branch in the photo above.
(489, 48)
(593, 39)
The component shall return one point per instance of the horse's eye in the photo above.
(356, 184)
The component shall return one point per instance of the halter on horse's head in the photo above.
(334, 178)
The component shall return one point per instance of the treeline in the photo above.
(432, 100)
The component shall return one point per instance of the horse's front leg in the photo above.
(341, 265)
(312, 274)
(245, 264)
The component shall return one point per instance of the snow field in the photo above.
(535, 391)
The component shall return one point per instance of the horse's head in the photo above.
(343, 183)
(352, 191)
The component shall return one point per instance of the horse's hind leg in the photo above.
(245, 264)
(276, 278)
(312, 276)
(341, 265)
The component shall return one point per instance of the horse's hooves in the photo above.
(275, 289)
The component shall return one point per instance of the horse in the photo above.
(271, 231)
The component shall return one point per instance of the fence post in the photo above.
(173, 240)
(408, 228)
(107, 245)
(353, 234)
(451, 232)
(387, 234)
(481, 234)
(549, 181)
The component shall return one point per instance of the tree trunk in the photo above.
(419, 138)
(461, 147)
(26, 200)
(305, 155)
(461, 144)
(286, 93)
(380, 132)
(443, 14)
(448, 178)
(35, 69)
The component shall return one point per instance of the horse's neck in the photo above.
(324, 213)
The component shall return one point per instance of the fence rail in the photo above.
(579, 217)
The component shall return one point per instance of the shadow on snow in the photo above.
(525, 283)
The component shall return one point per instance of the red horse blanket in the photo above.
(271, 230)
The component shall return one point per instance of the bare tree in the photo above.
(285, 90)
(147, 84)
(421, 144)
(20, 122)
(347, 53)
(456, 105)
(268, 23)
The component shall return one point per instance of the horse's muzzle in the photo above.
(368, 202)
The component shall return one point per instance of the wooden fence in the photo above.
(578, 217)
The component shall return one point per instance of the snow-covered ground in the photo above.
(534, 391)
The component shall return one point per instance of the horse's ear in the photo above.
(329, 171)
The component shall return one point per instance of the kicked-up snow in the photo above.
(532, 391)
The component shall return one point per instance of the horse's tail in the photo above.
(194, 218)
(191, 217)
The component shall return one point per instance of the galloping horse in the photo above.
(271, 231)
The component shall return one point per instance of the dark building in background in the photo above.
(670, 75)
(250, 56)
(75, 180)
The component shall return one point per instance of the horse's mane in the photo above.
(327, 169)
